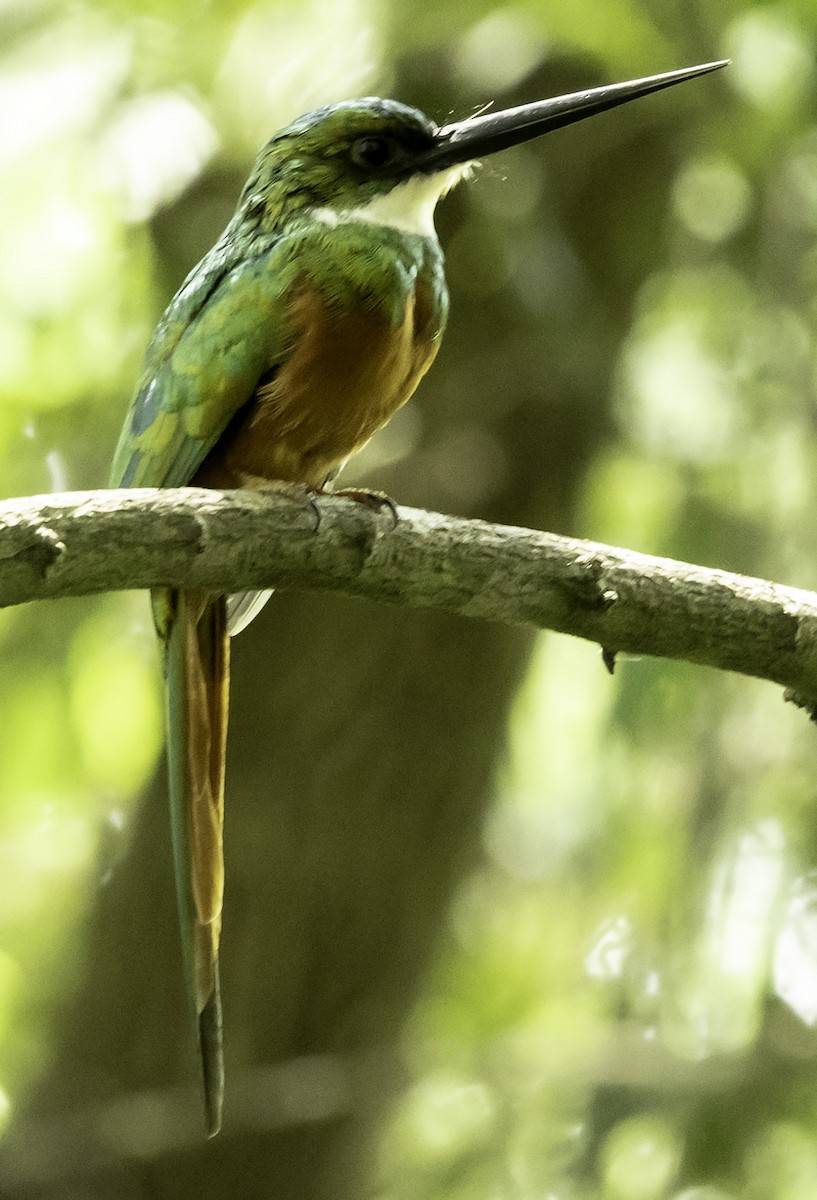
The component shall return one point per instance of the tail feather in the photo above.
(193, 627)
(212, 1058)
(243, 607)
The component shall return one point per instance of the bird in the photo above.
(309, 323)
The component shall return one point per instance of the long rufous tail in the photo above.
(193, 628)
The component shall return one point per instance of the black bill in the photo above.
(465, 141)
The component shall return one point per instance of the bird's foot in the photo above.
(303, 494)
(376, 501)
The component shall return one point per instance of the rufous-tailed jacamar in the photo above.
(309, 323)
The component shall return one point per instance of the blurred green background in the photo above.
(498, 926)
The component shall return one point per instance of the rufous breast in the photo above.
(348, 370)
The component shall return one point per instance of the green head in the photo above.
(381, 161)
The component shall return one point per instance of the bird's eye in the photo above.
(373, 151)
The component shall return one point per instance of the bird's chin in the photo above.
(408, 207)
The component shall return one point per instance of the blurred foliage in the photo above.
(625, 1005)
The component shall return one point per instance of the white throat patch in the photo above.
(408, 207)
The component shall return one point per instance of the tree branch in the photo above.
(79, 543)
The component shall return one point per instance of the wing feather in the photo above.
(222, 331)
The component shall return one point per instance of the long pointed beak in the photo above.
(476, 137)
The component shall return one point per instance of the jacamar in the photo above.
(309, 323)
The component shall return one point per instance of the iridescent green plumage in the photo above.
(226, 326)
(301, 332)
(266, 304)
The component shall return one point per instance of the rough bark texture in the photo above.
(73, 545)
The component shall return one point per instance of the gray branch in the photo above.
(75, 544)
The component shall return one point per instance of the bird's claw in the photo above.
(376, 501)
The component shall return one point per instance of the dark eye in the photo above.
(373, 151)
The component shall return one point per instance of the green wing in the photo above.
(222, 331)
